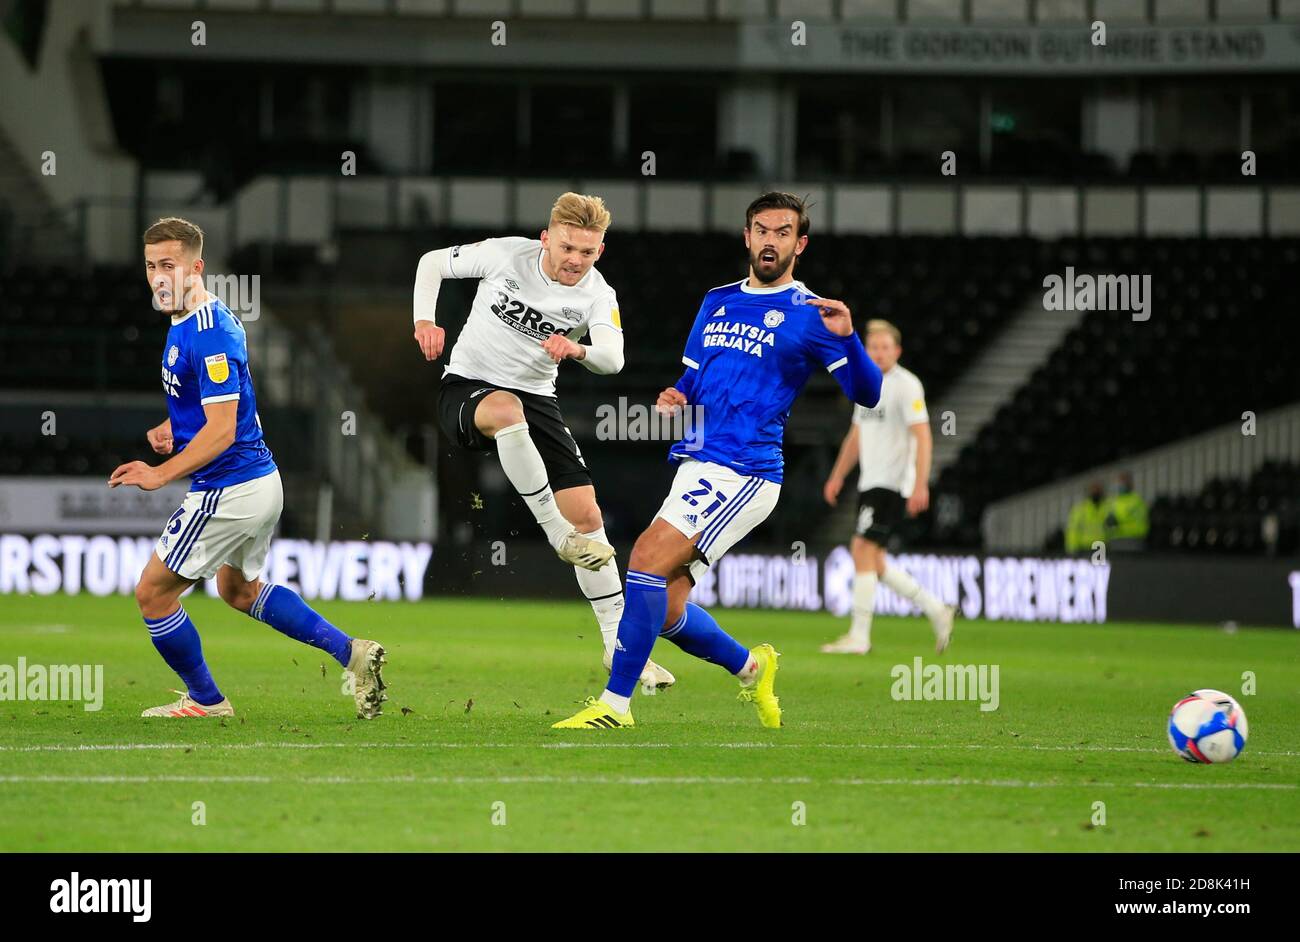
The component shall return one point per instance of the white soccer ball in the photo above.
(1207, 726)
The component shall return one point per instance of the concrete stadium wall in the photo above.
(79, 133)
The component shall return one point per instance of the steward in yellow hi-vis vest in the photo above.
(1126, 513)
(1087, 524)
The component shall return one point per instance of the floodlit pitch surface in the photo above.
(464, 758)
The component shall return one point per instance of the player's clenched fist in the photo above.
(670, 400)
(559, 347)
(160, 438)
(430, 337)
(835, 315)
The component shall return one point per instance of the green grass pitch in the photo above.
(1080, 721)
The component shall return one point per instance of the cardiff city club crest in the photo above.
(773, 318)
(172, 354)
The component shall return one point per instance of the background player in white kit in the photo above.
(892, 443)
(535, 299)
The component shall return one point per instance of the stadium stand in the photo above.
(67, 455)
(1118, 386)
(1258, 515)
(96, 330)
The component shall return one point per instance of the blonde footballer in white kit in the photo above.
(536, 298)
(891, 442)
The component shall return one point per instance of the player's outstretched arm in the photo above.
(859, 377)
(474, 260)
(217, 434)
(603, 355)
(428, 282)
(844, 462)
(919, 502)
(849, 364)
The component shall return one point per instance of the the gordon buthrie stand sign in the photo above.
(1020, 50)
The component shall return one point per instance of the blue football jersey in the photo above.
(206, 360)
(749, 354)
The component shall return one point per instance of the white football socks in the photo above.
(747, 673)
(604, 590)
(864, 606)
(615, 702)
(522, 463)
(903, 584)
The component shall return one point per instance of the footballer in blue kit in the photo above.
(224, 526)
(752, 348)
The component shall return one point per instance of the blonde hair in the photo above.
(882, 326)
(183, 231)
(580, 211)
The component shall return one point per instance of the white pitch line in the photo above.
(135, 779)
(1028, 747)
(611, 780)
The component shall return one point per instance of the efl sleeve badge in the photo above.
(218, 368)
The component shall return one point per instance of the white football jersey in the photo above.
(516, 308)
(886, 445)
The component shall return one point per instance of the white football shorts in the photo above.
(225, 525)
(719, 504)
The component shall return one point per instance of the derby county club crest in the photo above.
(773, 318)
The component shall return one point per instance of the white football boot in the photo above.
(583, 551)
(653, 677)
(847, 644)
(186, 707)
(656, 676)
(366, 666)
(943, 628)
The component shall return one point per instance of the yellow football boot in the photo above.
(762, 692)
(596, 715)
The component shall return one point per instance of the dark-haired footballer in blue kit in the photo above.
(752, 348)
(746, 403)
(225, 524)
